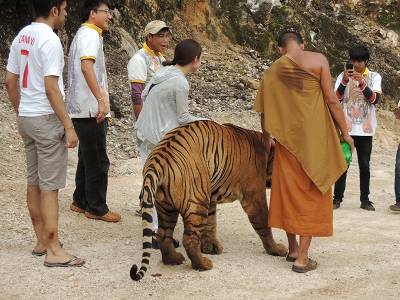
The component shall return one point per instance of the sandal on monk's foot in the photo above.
(290, 259)
(312, 265)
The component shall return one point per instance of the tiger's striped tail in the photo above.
(147, 195)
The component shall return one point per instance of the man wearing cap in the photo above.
(141, 68)
(146, 61)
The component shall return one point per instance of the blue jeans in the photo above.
(397, 176)
(91, 178)
(363, 145)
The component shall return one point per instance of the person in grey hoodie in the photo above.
(165, 101)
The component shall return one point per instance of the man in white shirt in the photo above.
(141, 68)
(88, 106)
(37, 60)
(145, 62)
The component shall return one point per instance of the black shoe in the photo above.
(395, 207)
(176, 243)
(139, 212)
(336, 203)
(154, 243)
(367, 205)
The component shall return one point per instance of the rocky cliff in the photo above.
(240, 35)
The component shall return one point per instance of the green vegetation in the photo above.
(389, 15)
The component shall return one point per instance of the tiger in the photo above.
(192, 169)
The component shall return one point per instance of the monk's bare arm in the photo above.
(333, 103)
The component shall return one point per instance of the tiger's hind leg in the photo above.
(165, 233)
(195, 219)
(209, 241)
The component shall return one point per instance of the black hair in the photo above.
(90, 5)
(288, 36)
(359, 53)
(185, 52)
(43, 7)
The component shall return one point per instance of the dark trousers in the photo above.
(397, 176)
(363, 145)
(91, 178)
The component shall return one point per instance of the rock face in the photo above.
(239, 36)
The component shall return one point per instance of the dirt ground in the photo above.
(361, 260)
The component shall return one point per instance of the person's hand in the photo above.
(102, 111)
(72, 138)
(346, 73)
(358, 77)
(269, 144)
(347, 138)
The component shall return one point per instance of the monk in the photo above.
(300, 110)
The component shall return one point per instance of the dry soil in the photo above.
(360, 261)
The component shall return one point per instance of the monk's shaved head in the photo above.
(289, 36)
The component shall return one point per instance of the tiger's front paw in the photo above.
(203, 265)
(367, 129)
(210, 246)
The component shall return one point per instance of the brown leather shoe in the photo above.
(76, 208)
(108, 217)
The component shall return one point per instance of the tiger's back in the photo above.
(192, 169)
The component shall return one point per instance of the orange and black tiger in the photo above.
(192, 169)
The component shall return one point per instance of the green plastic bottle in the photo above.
(347, 152)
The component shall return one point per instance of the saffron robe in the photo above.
(309, 158)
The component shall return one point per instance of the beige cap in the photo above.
(154, 27)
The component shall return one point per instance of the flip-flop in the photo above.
(66, 264)
(39, 253)
(309, 267)
(42, 253)
(290, 259)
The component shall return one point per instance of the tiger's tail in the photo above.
(147, 196)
